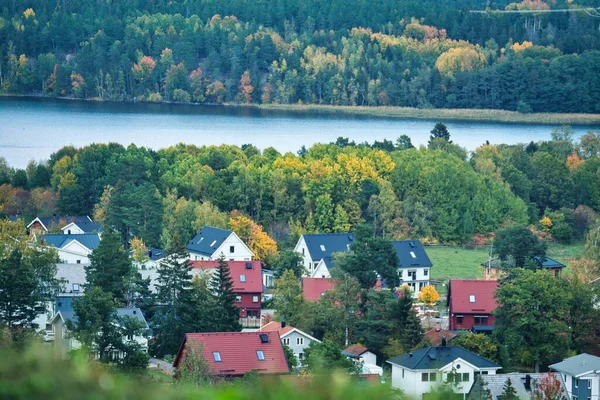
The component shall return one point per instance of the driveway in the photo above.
(163, 366)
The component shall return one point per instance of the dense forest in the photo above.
(340, 52)
(434, 193)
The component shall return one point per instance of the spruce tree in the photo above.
(221, 286)
(110, 267)
(174, 286)
(509, 392)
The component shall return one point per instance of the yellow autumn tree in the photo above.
(460, 59)
(574, 162)
(546, 224)
(428, 295)
(251, 233)
(139, 250)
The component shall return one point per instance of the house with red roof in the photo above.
(437, 335)
(247, 283)
(360, 354)
(471, 303)
(314, 288)
(294, 338)
(233, 354)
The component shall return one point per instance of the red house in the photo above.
(471, 303)
(233, 354)
(247, 283)
(314, 288)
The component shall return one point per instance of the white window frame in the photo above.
(300, 341)
(255, 299)
(260, 355)
(243, 278)
(471, 298)
(217, 356)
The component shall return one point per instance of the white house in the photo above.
(69, 225)
(79, 228)
(360, 354)
(315, 248)
(421, 371)
(580, 374)
(415, 265)
(75, 248)
(297, 340)
(211, 242)
(59, 333)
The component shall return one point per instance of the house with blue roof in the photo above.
(318, 252)
(320, 248)
(76, 224)
(73, 249)
(58, 332)
(422, 371)
(211, 242)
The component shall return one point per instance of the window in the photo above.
(302, 251)
(242, 278)
(255, 299)
(76, 287)
(78, 261)
(471, 298)
(432, 376)
(412, 254)
(260, 355)
(481, 320)
(322, 248)
(130, 337)
(590, 384)
(484, 372)
(300, 341)
(238, 299)
(217, 356)
(403, 372)
(400, 274)
(213, 243)
(425, 272)
(232, 249)
(459, 319)
(286, 341)
(425, 377)
(465, 377)
(576, 383)
(301, 356)
(556, 273)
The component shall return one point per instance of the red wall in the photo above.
(247, 302)
(469, 320)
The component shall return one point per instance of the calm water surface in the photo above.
(35, 128)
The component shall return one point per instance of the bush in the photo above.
(154, 98)
(181, 96)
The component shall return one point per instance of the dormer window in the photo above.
(76, 287)
(217, 356)
(242, 278)
(260, 355)
(471, 298)
(322, 248)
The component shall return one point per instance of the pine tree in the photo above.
(509, 392)
(221, 286)
(110, 267)
(440, 131)
(17, 291)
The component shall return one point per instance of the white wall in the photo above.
(240, 253)
(74, 253)
(308, 262)
(321, 271)
(74, 230)
(421, 280)
(296, 347)
(369, 358)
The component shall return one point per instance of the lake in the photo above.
(32, 128)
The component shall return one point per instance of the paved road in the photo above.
(162, 365)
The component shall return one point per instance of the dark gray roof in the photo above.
(155, 254)
(437, 357)
(411, 254)
(89, 240)
(323, 245)
(88, 226)
(69, 315)
(548, 262)
(208, 240)
(49, 221)
(578, 365)
(495, 384)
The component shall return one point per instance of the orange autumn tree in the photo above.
(574, 162)
(251, 233)
(549, 388)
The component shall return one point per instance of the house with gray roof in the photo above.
(526, 385)
(581, 375)
(419, 372)
(415, 265)
(58, 332)
(211, 242)
(493, 267)
(74, 248)
(46, 224)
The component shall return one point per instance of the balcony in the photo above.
(250, 322)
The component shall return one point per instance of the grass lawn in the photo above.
(154, 375)
(458, 263)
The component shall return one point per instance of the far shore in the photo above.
(437, 114)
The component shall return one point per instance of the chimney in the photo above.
(282, 324)
(528, 382)
(438, 326)
(410, 354)
(443, 341)
(150, 253)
